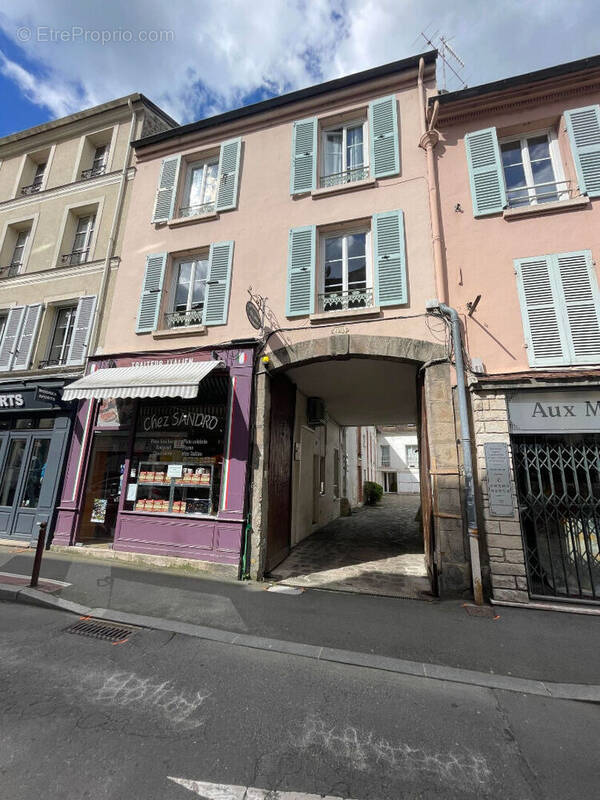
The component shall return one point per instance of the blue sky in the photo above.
(199, 58)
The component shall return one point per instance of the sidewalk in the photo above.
(536, 645)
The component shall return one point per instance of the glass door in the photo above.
(12, 471)
(103, 488)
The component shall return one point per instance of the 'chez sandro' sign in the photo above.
(555, 412)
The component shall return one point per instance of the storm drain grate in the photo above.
(100, 630)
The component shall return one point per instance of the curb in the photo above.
(559, 691)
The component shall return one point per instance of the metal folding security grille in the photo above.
(100, 630)
(558, 486)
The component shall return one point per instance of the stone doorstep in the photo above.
(22, 543)
(228, 571)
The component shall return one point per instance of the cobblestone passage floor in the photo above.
(378, 550)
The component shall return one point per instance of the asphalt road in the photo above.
(82, 718)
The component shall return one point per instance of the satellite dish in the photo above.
(253, 314)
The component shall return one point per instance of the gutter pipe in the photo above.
(110, 248)
(465, 439)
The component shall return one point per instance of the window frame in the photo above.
(385, 462)
(175, 267)
(369, 273)
(555, 158)
(26, 232)
(66, 344)
(88, 234)
(411, 463)
(329, 128)
(187, 184)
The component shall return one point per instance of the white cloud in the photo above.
(220, 52)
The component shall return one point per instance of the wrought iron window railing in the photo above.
(344, 301)
(52, 362)
(72, 259)
(548, 192)
(347, 176)
(33, 188)
(10, 271)
(198, 210)
(180, 319)
(93, 172)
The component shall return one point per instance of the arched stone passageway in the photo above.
(362, 380)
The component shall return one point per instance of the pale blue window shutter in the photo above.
(216, 302)
(300, 298)
(488, 191)
(540, 297)
(583, 126)
(166, 191)
(389, 252)
(383, 137)
(26, 341)
(229, 168)
(12, 331)
(581, 304)
(82, 328)
(149, 307)
(304, 156)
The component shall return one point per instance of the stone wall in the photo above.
(502, 534)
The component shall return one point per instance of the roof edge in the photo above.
(86, 113)
(536, 76)
(279, 101)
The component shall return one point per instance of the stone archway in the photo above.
(444, 479)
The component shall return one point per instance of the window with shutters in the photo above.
(560, 308)
(62, 334)
(200, 189)
(532, 170)
(346, 271)
(188, 292)
(344, 153)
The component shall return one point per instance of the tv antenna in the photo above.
(450, 59)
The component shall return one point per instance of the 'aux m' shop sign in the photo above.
(555, 412)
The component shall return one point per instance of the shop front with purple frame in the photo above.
(162, 475)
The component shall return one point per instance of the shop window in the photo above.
(34, 423)
(178, 453)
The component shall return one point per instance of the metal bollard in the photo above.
(39, 552)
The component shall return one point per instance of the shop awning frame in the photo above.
(147, 380)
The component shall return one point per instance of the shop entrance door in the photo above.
(103, 488)
(23, 473)
(558, 486)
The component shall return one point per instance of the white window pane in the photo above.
(538, 147)
(182, 289)
(210, 186)
(511, 153)
(354, 147)
(333, 152)
(333, 248)
(356, 244)
(195, 193)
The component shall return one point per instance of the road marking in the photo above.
(227, 791)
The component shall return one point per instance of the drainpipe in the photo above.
(465, 438)
(429, 138)
(110, 249)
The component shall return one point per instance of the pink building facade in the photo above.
(519, 186)
(315, 207)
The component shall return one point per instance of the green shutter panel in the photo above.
(216, 303)
(383, 137)
(488, 192)
(545, 334)
(26, 341)
(82, 328)
(229, 168)
(581, 304)
(166, 191)
(12, 331)
(389, 259)
(149, 307)
(583, 126)
(304, 156)
(300, 297)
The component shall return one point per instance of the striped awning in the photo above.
(155, 380)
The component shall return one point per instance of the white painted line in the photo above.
(226, 791)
